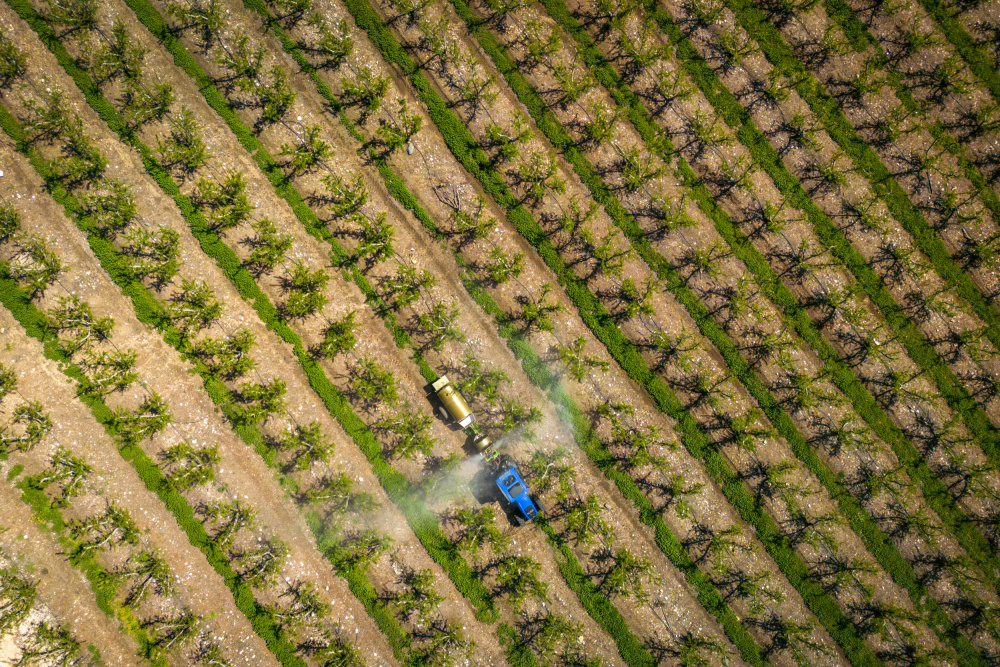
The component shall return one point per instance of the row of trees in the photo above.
(774, 476)
(193, 307)
(377, 240)
(108, 204)
(434, 639)
(259, 560)
(466, 222)
(36, 642)
(927, 174)
(970, 121)
(537, 176)
(808, 390)
(27, 423)
(154, 254)
(140, 575)
(894, 261)
(901, 266)
(808, 393)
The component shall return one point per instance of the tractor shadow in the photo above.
(484, 488)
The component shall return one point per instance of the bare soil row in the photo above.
(716, 293)
(113, 481)
(644, 83)
(841, 204)
(932, 175)
(195, 417)
(32, 627)
(451, 356)
(629, 272)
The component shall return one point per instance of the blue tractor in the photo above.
(514, 489)
(453, 406)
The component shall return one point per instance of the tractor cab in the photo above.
(514, 489)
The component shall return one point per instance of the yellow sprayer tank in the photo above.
(453, 403)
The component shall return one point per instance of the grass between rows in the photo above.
(841, 13)
(423, 522)
(420, 519)
(537, 371)
(884, 551)
(49, 518)
(150, 312)
(859, 35)
(934, 491)
(795, 569)
(541, 377)
(591, 311)
(46, 512)
(888, 189)
(980, 64)
(591, 598)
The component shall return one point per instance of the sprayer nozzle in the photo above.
(482, 443)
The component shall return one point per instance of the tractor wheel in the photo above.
(539, 506)
(519, 520)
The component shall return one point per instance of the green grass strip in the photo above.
(537, 373)
(444, 553)
(591, 599)
(405, 495)
(155, 23)
(328, 540)
(888, 189)
(934, 491)
(861, 523)
(841, 13)
(980, 63)
(596, 603)
(423, 522)
(591, 310)
(262, 620)
(797, 572)
(518, 654)
(598, 452)
(47, 514)
(154, 315)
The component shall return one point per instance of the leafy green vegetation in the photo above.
(791, 564)
(218, 361)
(147, 309)
(980, 64)
(917, 346)
(885, 187)
(461, 142)
(423, 522)
(875, 540)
